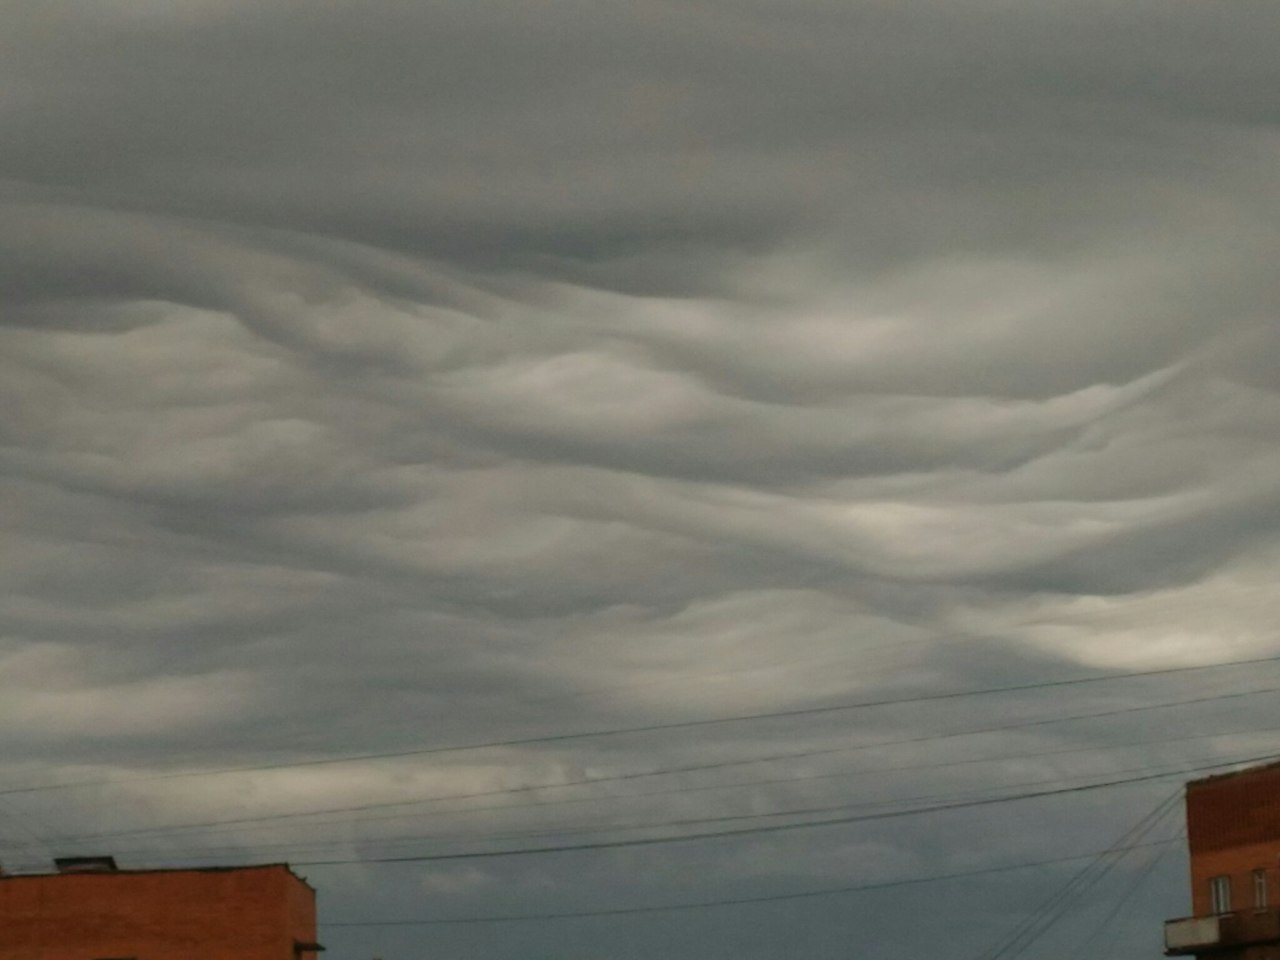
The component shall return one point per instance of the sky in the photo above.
(635, 420)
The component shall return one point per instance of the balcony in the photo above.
(1226, 931)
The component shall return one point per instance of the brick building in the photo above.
(1233, 831)
(90, 910)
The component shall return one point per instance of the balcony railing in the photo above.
(1226, 931)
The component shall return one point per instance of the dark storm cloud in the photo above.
(552, 133)
(394, 375)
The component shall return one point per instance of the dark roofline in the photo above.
(6, 877)
(92, 864)
(1232, 774)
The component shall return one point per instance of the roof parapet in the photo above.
(101, 864)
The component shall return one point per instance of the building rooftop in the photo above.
(105, 866)
(1271, 766)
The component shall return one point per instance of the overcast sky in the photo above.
(383, 377)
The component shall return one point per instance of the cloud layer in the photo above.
(386, 376)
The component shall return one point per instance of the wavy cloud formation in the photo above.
(382, 376)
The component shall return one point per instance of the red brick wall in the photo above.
(254, 913)
(300, 914)
(1233, 828)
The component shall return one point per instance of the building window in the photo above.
(1220, 894)
(1259, 888)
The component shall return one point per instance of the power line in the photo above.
(645, 728)
(770, 828)
(947, 639)
(684, 789)
(1104, 866)
(1040, 920)
(723, 818)
(733, 902)
(688, 768)
(1140, 877)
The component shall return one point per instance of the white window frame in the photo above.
(1260, 888)
(1220, 894)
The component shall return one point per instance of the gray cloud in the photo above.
(387, 376)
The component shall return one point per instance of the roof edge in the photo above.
(1272, 766)
(125, 871)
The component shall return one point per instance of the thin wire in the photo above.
(1140, 877)
(688, 768)
(770, 828)
(568, 830)
(683, 790)
(1040, 920)
(1072, 897)
(21, 821)
(708, 904)
(645, 728)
